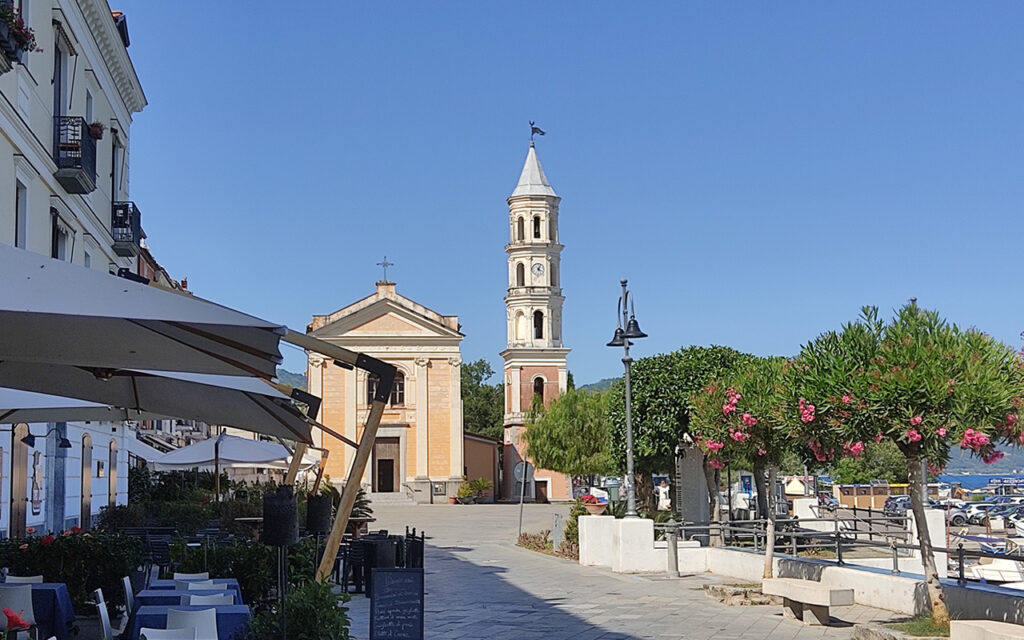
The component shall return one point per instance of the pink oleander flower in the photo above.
(716, 464)
(913, 435)
(761, 452)
(739, 436)
(846, 399)
(941, 431)
(916, 420)
(715, 446)
(989, 458)
(749, 420)
(854, 449)
(878, 437)
(1011, 419)
(728, 408)
(974, 440)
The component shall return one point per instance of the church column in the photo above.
(515, 390)
(455, 426)
(422, 470)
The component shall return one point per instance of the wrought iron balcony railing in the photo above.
(74, 151)
(126, 228)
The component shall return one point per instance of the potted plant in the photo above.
(594, 506)
(480, 487)
(15, 37)
(465, 493)
(96, 130)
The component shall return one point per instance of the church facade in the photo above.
(535, 368)
(419, 446)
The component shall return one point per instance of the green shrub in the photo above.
(313, 612)
(480, 487)
(82, 561)
(251, 562)
(113, 519)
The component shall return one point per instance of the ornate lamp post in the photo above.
(627, 329)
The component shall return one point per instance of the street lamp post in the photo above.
(627, 328)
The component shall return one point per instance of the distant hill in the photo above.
(961, 462)
(600, 385)
(294, 380)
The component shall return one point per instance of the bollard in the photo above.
(960, 580)
(672, 538)
(895, 558)
(792, 540)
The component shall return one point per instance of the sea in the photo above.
(980, 481)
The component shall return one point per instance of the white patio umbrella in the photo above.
(235, 401)
(230, 451)
(54, 312)
(18, 406)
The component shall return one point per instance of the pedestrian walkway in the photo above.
(480, 586)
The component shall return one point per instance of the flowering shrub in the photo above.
(589, 499)
(80, 560)
(22, 35)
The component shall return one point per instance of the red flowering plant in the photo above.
(23, 36)
(15, 621)
(746, 418)
(589, 499)
(917, 381)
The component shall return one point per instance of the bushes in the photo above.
(313, 612)
(82, 561)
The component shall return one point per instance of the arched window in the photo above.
(538, 390)
(397, 398)
(520, 229)
(521, 326)
(554, 275)
(520, 275)
(112, 475)
(538, 324)
(85, 515)
(536, 226)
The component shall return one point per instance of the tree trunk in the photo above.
(769, 536)
(714, 533)
(644, 494)
(916, 480)
(762, 494)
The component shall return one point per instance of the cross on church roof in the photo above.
(385, 264)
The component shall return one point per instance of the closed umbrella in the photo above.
(54, 312)
(235, 401)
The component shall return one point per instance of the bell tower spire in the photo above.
(535, 359)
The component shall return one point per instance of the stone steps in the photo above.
(398, 497)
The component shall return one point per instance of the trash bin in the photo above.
(613, 493)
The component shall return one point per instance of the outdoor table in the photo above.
(51, 604)
(172, 597)
(229, 584)
(232, 619)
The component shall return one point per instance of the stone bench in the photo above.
(984, 630)
(806, 600)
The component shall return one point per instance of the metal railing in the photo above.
(73, 147)
(125, 222)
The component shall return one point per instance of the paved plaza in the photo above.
(480, 586)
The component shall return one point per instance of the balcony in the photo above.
(10, 47)
(74, 151)
(126, 228)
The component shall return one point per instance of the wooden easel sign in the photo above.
(396, 606)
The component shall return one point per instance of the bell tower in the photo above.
(535, 360)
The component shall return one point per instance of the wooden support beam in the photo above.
(293, 468)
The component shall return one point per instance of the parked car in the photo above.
(977, 511)
(896, 506)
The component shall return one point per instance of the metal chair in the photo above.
(197, 585)
(185, 633)
(204, 621)
(205, 575)
(212, 599)
(24, 579)
(101, 610)
(19, 598)
(129, 594)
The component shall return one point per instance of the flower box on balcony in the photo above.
(15, 37)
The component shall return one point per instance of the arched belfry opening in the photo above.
(538, 325)
(520, 229)
(536, 227)
(520, 275)
(538, 390)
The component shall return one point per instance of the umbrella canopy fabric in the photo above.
(139, 448)
(235, 401)
(18, 406)
(54, 312)
(233, 452)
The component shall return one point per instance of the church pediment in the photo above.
(385, 319)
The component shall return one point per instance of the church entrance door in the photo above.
(385, 465)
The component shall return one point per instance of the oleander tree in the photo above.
(661, 389)
(572, 435)
(918, 382)
(747, 416)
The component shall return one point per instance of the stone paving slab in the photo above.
(480, 586)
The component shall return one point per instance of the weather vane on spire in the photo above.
(535, 130)
(385, 264)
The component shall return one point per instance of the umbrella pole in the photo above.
(293, 468)
(348, 494)
(216, 469)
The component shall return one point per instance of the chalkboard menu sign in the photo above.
(396, 606)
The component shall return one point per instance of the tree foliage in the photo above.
(483, 405)
(572, 435)
(661, 388)
(880, 461)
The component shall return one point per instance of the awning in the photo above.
(235, 401)
(25, 406)
(233, 452)
(140, 449)
(53, 312)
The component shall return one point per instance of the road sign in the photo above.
(518, 471)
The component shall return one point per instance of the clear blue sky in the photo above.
(758, 172)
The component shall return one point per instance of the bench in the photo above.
(984, 630)
(806, 600)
